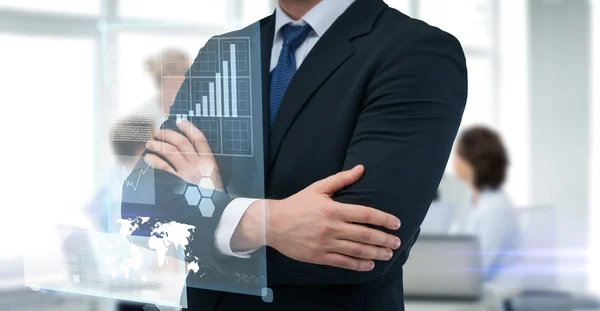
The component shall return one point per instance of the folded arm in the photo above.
(403, 138)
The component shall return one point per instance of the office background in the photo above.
(69, 68)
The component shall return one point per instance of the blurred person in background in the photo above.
(167, 69)
(481, 162)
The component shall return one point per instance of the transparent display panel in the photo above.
(137, 85)
(111, 265)
(217, 105)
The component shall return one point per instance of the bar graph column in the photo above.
(234, 102)
(225, 89)
(218, 85)
(211, 99)
(204, 106)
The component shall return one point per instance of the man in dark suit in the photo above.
(361, 106)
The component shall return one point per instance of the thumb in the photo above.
(341, 180)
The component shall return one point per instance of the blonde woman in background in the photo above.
(129, 134)
(167, 69)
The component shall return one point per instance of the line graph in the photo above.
(137, 186)
(137, 182)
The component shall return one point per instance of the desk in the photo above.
(15, 296)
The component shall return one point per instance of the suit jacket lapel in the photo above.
(332, 50)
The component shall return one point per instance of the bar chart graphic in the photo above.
(217, 97)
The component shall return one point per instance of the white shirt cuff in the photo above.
(229, 221)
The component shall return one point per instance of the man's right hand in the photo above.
(311, 227)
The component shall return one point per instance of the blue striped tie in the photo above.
(282, 75)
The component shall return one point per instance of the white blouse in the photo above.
(493, 220)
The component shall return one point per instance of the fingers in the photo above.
(158, 164)
(336, 182)
(362, 251)
(169, 152)
(195, 136)
(367, 215)
(347, 262)
(180, 142)
(365, 235)
(177, 140)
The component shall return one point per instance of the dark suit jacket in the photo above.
(379, 89)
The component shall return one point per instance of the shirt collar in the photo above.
(320, 18)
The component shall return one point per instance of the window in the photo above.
(135, 83)
(190, 11)
(480, 103)
(469, 20)
(87, 7)
(48, 131)
(55, 121)
(403, 6)
(256, 10)
(513, 117)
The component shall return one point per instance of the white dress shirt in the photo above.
(493, 220)
(320, 18)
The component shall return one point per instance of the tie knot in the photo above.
(293, 35)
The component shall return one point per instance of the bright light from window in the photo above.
(400, 5)
(192, 11)
(469, 20)
(255, 10)
(48, 136)
(90, 7)
(480, 102)
(513, 101)
(136, 86)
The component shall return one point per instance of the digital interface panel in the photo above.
(217, 96)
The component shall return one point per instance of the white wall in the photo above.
(594, 268)
(560, 128)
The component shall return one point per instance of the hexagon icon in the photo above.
(192, 195)
(206, 169)
(207, 208)
(206, 187)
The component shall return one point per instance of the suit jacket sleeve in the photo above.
(404, 135)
